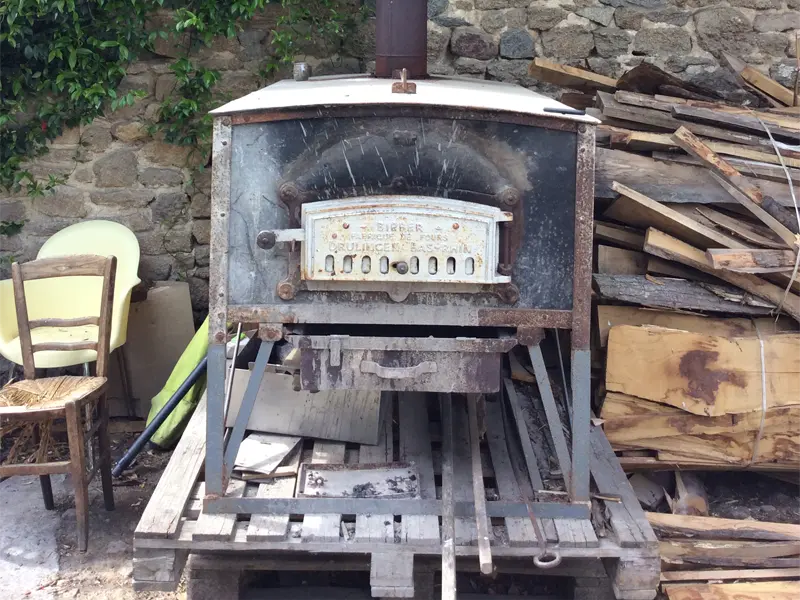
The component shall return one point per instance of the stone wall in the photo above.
(117, 170)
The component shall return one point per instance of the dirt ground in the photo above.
(104, 572)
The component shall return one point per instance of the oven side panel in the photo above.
(345, 157)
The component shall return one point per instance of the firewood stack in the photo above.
(696, 284)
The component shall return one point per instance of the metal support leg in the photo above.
(551, 410)
(581, 392)
(448, 514)
(248, 401)
(478, 490)
(215, 421)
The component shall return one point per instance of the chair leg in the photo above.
(127, 391)
(77, 459)
(47, 492)
(104, 444)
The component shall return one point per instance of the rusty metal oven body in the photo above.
(401, 241)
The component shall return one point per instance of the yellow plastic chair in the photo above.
(71, 297)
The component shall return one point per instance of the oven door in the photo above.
(458, 365)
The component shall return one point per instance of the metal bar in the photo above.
(215, 420)
(478, 490)
(386, 506)
(524, 438)
(246, 408)
(581, 393)
(550, 409)
(232, 370)
(448, 503)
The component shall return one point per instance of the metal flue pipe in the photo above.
(401, 38)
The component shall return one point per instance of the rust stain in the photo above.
(703, 381)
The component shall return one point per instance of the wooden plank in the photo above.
(570, 77)
(735, 549)
(667, 268)
(635, 208)
(753, 233)
(667, 122)
(669, 182)
(722, 169)
(621, 236)
(609, 316)
(162, 515)
(728, 574)
(577, 100)
(415, 446)
(616, 261)
(751, 168)
(466, 531)
(678, 294)
(374, 528)
(478, 488)
(783, 116)
(703, 374)
(271, 528)
(744, 123)
(696, 527)
(768, 86)
(324, 528)
(391, 574)
(628, 523)
(752, 261)
(670, 248)
(520, 530)
(218, 527)
(767, 590)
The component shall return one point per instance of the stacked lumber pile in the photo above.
(696, 283)
(708, 557)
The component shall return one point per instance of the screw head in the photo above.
(402, 267)
(334, 236)
(456, 225)
(345, 225)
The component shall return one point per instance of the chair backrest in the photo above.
(65, 266)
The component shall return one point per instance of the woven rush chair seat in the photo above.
(50, 393)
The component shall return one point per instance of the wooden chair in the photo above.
(80, 401)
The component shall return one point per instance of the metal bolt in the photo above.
(220, 337)
(402, 267)
(286, 290)
(266, 240)
(455, 225)
(345, 225)
(334, 236)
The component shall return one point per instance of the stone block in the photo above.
(201, 206)
(571, 41)
(183, 262)
(220, 61)
(164, 85)
(361, 43)
(795, 4)
(599, 14)
(517, 43)
(155, 177)
(723, 82)
(676, 64)
(777, 21)
(543, 18)
(123, 198)
(470, 66)
(517, 17)
(142, 82)
(611, 41)
(510, 71)
(473, 43)
(116, 169)
(437, 7)
(166, 241)
(62, 201)
(495, 4)
(45, 227)
(783, 72)
(200, 182)
(198, 292)
(636, 3)
(139, 219)
(131, 112)
(202, 272)
(604, 66)
(68, 137)
(722, 29)
(438, 40)
(251, 42)
(450, 21)
(758, 4)
(129, 131)
(201, 230)
(659, 41)
(82, 175)
(155, 268)
(96, 137)
(627, 17)
(13, 210)
(238, 83)
(169, 207)
(772, 44)
(170, 155)
(202, 255)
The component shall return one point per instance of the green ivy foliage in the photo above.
(61, 63)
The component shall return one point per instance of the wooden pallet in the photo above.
(393, 549)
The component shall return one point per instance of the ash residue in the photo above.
(364, 490)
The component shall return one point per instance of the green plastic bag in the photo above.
(171, 429)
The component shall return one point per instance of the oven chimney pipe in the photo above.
(401, 38)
